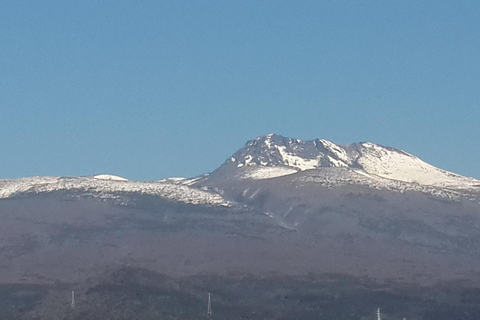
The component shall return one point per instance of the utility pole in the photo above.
(72, 305)
(209, 305)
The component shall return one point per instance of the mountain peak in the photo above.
(275, 150)
(273, 155)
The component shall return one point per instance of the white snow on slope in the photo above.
(295, 161)
(109, 177)
(266, 172)
(181, 180)
(340, 152)
(402, 166)
(102, 188)
(335, 177)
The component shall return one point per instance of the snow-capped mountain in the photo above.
(272, 156)
(287, 213)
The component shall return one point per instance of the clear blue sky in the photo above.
(151, 89)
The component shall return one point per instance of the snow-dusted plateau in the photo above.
(284, 229)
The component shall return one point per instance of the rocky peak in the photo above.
(276, 150)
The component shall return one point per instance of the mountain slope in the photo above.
(109, 186)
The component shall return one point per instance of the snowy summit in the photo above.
(274, 155)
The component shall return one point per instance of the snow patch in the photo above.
(295, 161)
(338, 151)
(248, 160)
(259, 173)
(109, 177)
